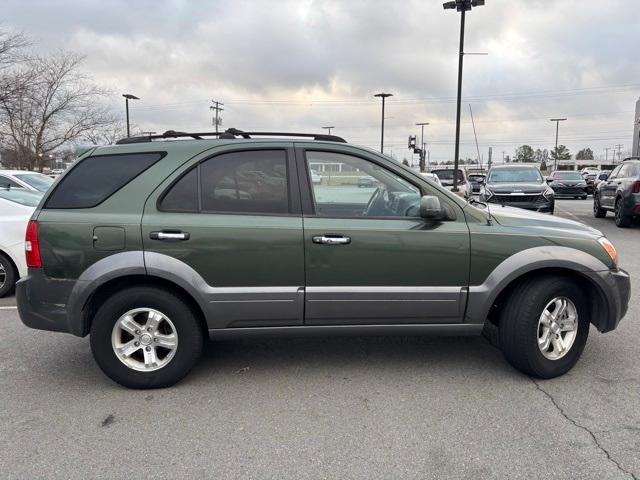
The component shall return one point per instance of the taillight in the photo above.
(32, 246)
(636, 187)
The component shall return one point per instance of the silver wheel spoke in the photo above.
(544, 340)
(568, 324)
(546, 319)
(128, 324)
(150, 357)
(153, 320)
(166, 341)
(558, 345)
(128, 348)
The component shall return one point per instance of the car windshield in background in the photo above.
(515, 175)
(23, 197)
(571, 175)
(36, 180)
(447, 174)
(476, 178)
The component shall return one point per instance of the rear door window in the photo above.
(96, 178)
(8, 183)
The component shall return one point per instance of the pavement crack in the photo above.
(586, 429)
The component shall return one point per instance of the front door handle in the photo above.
(332, 240)
(169, 235)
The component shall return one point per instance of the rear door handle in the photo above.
(169, 235)
(332, 240)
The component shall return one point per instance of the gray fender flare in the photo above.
(482, 297)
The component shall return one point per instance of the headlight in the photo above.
(548, 193)
(610, 249)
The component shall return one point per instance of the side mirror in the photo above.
(549, 179)
(430, 207)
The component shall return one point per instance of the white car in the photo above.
(431, 176)
(316, 178)
(33, 181)
(16, 207)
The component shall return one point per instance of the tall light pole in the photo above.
(127, 97)
(383, 96)
(557, 120)
(422, 149)
(329, 129)
(461, 6)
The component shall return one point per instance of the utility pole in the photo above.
(461, 6)
(329, 129)
(127, 97)
(383, 96)
(422, 149)
(557, 120)
(217, 107)
(619, 147)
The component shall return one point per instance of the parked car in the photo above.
(590, 179)
(589, 171)
(602, 175)
(477, 181)
(521, 186)
(446, 179)
(33, 181)
(431, 176)
(316, 178)
(367, 181)
(568, 183)
(620, 193)
(16, 207)
(151, 259)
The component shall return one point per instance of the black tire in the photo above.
(584, 198)
(598, 211)
(622, 220)
(188, 328)
(518, 329)
(9, 278)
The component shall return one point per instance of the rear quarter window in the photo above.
(96, 178)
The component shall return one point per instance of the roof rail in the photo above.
(230, 133)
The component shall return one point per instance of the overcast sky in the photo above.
(303, 64)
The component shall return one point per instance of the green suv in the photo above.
(152, 244)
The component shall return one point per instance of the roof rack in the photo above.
(230, 133)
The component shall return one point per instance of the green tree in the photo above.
(562, 153)
(585, 154)
(524, 154)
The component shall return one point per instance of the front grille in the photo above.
(569, 190)
(517, 199)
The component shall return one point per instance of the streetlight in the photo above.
(127, 97)
(329, 129)
(461, 6)
(557, 120)
(383, 96)
(422, 149)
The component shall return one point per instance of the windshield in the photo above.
(515, 175)
(447, 174)
(36, 180)
(476, 178)
(23, 197)
(568, 175)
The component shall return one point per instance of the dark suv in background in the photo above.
(620, 193)
(521, 186)
(149, 246)
(568, 184)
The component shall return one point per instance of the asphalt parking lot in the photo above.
(328, 407)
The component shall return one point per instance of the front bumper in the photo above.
(536, 203)
(42, 301)
(616, 286)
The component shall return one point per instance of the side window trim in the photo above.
(292, 184)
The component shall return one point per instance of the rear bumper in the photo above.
(42, 301)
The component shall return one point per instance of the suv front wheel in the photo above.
(146, 337)
(544, 326)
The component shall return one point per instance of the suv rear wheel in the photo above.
(146, 337)
(544, 326)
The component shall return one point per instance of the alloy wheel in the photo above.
(3, 275)
(557, 328)
(144, 339)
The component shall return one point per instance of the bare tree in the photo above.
(109, 134)
(58, 104)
